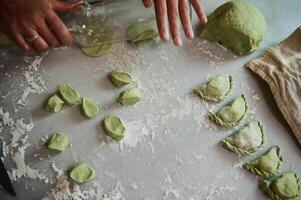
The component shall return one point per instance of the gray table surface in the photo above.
(171, 150)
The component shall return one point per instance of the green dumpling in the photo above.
(58, 142)
(54, 104)
(82, 173)
(89, 107)
(69, 94)
(120, 79)
(141, 31)
(232, 114)
(267, 165)
(284, 187)
(114, 127)
(237, 25)
(130, 96)
(216, 89)
(247, 140)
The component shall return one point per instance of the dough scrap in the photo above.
(237, 25)
(82, 173)
(120, 79)
(267, 165)
(89, 107)
(59, 142)
(247, 140)
(232, 114)
(96, 38)
(69, 95)
(284, 187)
(142, 31)
(216, 89)
(114, 127)
(130, 96)
(54, 104)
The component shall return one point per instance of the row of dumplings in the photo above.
(250, 139)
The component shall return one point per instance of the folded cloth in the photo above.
(280, 67)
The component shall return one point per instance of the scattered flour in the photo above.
(34, 84)
(216, 193)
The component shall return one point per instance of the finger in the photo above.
(48, 35)
(185, 18)
(173, 18)
(61, 6)
(147, 3)
(161, 17)
(199, 10)
(22, 44)
(39, 44)
(59, 28)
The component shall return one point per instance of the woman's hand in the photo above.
(173, 11)
(34, 24)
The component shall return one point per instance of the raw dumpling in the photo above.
(69, 94)
(54, 104)
(130, 96)
(232, 114)
(267, 165)
(247, 140)
(216, 89)
(142, 31)
(82, 173)
(114, 127)
(120, 79)
(284, 187)
(89, 107)
(59, 142)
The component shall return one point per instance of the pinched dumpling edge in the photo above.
(198, 91)
(265, 186)
(233, 148)
(260, 172)
(214, 117)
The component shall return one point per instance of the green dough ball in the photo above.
(99, 50)
(232, 114)
(130, 96)
(247, 140)
(114, 127)
(70, 95)
(54, 104)
(89, 107)
(142, 31)
(284, 187)
(216, 89)
(120, 79)
(237, 25)
(269, 164)
(96, 38)
(82, 173)
(59, 141)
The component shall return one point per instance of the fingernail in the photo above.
(204, 19)
(190, 35)
(178, 41)
(165, 36)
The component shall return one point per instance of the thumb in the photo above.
(61, 6)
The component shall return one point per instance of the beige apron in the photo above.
(280, 67)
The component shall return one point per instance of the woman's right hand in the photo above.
(34, 24)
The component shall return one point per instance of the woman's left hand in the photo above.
(175, 11)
